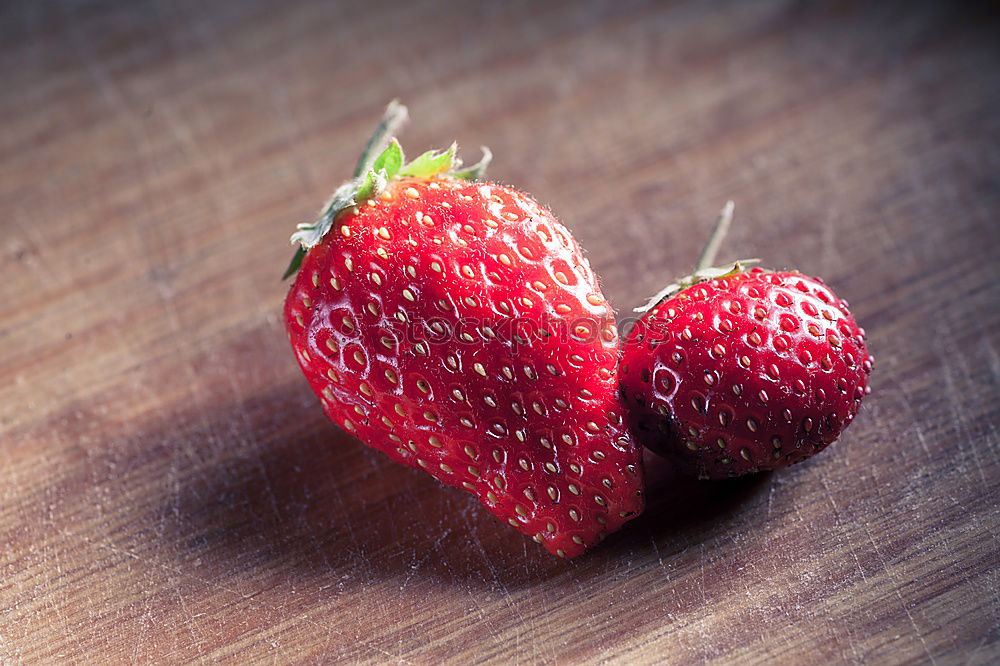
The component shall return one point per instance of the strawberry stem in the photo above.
(392, 120)
(703, 270)
(707, 257)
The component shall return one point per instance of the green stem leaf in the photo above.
(431, 163)
(295, 263)
(390, 160)
(475, 171)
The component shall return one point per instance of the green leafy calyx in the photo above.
(702, 275)
(381, 162)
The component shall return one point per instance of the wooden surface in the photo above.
(169, 489)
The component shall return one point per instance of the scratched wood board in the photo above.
(169, 489)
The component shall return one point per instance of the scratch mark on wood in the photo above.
(899, 595)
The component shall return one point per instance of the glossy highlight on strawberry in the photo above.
(455, 326)
(751, 371)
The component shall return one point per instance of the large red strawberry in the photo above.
(734, 371)
(455, 326)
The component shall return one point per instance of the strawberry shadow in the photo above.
(285, 498)
(295, 498)
(682, 511)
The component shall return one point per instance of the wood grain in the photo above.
(169, 489)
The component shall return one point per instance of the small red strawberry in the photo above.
(735, 371)
(455, 326)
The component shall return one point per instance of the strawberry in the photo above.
(735, 371)
(455, 326)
